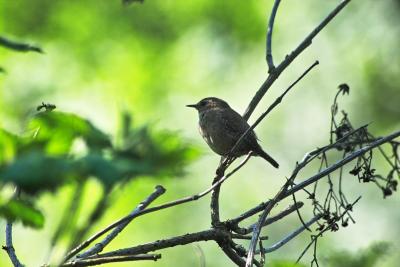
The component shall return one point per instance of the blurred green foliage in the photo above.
(368, 257)
(44, 159)
(24, 211)
(152, 59)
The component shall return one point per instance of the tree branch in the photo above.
(159, 190)
(275, 218)
(269, 57)
(292, 235)
(319, 175)
(9, 248)
(329, 227)
(289, 58)
(210, 234)
(271, 107)
(86, 243)
(98, 261)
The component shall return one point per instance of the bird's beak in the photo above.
(192, 106)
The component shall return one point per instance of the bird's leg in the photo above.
(221, 167)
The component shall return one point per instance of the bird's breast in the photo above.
(212, 130)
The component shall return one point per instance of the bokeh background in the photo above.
(102, 58)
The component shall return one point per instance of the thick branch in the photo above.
(98, 261)
(153, 209)
(211, 234)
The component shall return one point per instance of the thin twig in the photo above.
(9, 248)
(271, 107)
(292, 235)
(319, 175)
(231, 253)
(159, 190)
(261, 221)
(299, 214)
(86, 243)
(248, 237)
(98, 261)
(273, 219)
(314, 238)
(269, 56)
(289, 58)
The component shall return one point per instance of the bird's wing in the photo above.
(235, 124)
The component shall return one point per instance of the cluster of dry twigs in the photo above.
(331, 208)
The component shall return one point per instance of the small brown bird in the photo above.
(221, 127)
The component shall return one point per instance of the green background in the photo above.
(102, 58)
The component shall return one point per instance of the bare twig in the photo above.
(319, 175)
(244, 237)
(214, 204)
(271, 220)
(329, 227)
(292, 235)
(98, 261)
(86, 243)
(299, 214)
(289, 58)
(159, 190)
(271, 107)
(232, 254)
(9, 248)
(261, 221)
(210, 234)
(269, 57)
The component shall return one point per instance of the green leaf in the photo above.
(8, 146)
(368, 257)
(34, 171)
(96, 165)
(153, 152)
(18, 210)
(58, 130)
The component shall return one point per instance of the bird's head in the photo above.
(209, 103)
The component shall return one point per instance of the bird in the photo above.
(221, 127)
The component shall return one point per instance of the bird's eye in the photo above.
(203, 103)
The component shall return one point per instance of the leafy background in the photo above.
(103, 59)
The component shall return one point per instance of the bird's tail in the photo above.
(268, 158)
